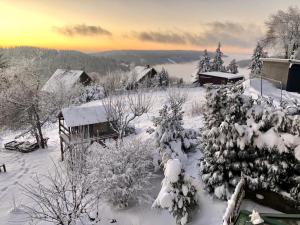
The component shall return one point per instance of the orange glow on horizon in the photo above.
(33, 25)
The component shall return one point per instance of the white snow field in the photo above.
(22, 167)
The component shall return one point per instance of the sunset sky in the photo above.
(96, 25)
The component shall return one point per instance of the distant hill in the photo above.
(48, 60)
(151, 57)
(243, 63)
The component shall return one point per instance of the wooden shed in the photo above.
(83, 124)
(216, 77)
(285, 71)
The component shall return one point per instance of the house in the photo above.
(216, 77)
(285, 71)
(83, 124)
(143, 75)
(65, 80)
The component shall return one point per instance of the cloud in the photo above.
(165, 37)
(229, 33)
(82, 30)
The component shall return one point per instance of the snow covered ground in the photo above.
(22, 167)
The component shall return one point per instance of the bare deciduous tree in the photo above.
(62, 197)
(123, 109)
(114, 81)
(283, 30)
(22, 104)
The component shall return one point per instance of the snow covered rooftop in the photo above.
(293, 61)
(62, 80)
(223, 75)
(84, 115)
(141, 71)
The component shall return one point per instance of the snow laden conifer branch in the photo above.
(178, 194)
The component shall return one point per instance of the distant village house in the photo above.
(65, 80)
(144, 75)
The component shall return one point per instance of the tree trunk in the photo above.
(39, 128)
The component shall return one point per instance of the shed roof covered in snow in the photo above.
(277, 60)
(65, 80)
(84, 115)
(142, 71)
(228, 76)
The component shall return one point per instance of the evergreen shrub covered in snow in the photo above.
(221, 166)
(121, 170)
(248, 137)
(172, 139)
(177, 194)
(272, 136)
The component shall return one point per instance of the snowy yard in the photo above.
(22, 167)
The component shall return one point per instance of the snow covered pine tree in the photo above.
(217, 63)
(177, 194)
(232, 67)
(203, 65)
(222, 163)
(163, 77)
(256, 63)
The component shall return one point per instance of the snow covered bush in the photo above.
(248, 137)
(121, 170)
(177, 194)
(90, 93)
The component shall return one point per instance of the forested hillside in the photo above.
(48, 60)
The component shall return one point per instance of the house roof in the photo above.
(141, 71)
(222, 74)
(85, 114)
(293, 61)
(62, 80)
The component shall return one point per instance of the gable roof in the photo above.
(293, 61)
(62, 79)
(222, 74)
(84, 115)
(141, 71)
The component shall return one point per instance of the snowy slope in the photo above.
(22, 167)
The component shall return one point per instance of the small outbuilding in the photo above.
(285, 71)
(218, 78)
(65, 80)
(86, 123)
